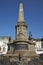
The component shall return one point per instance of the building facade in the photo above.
(3, 44)
(39, 45)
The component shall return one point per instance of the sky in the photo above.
(33, 14)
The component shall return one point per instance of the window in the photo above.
(0, 48)
(42, 44)
(4, 49)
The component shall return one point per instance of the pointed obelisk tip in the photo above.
(21, 4)
(21, 13)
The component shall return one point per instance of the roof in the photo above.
(4, 37)
(37, 39)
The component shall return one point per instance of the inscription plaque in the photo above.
(21, 46)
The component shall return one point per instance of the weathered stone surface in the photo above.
(33, 61)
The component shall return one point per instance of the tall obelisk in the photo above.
(21, 13)
(21, 27)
